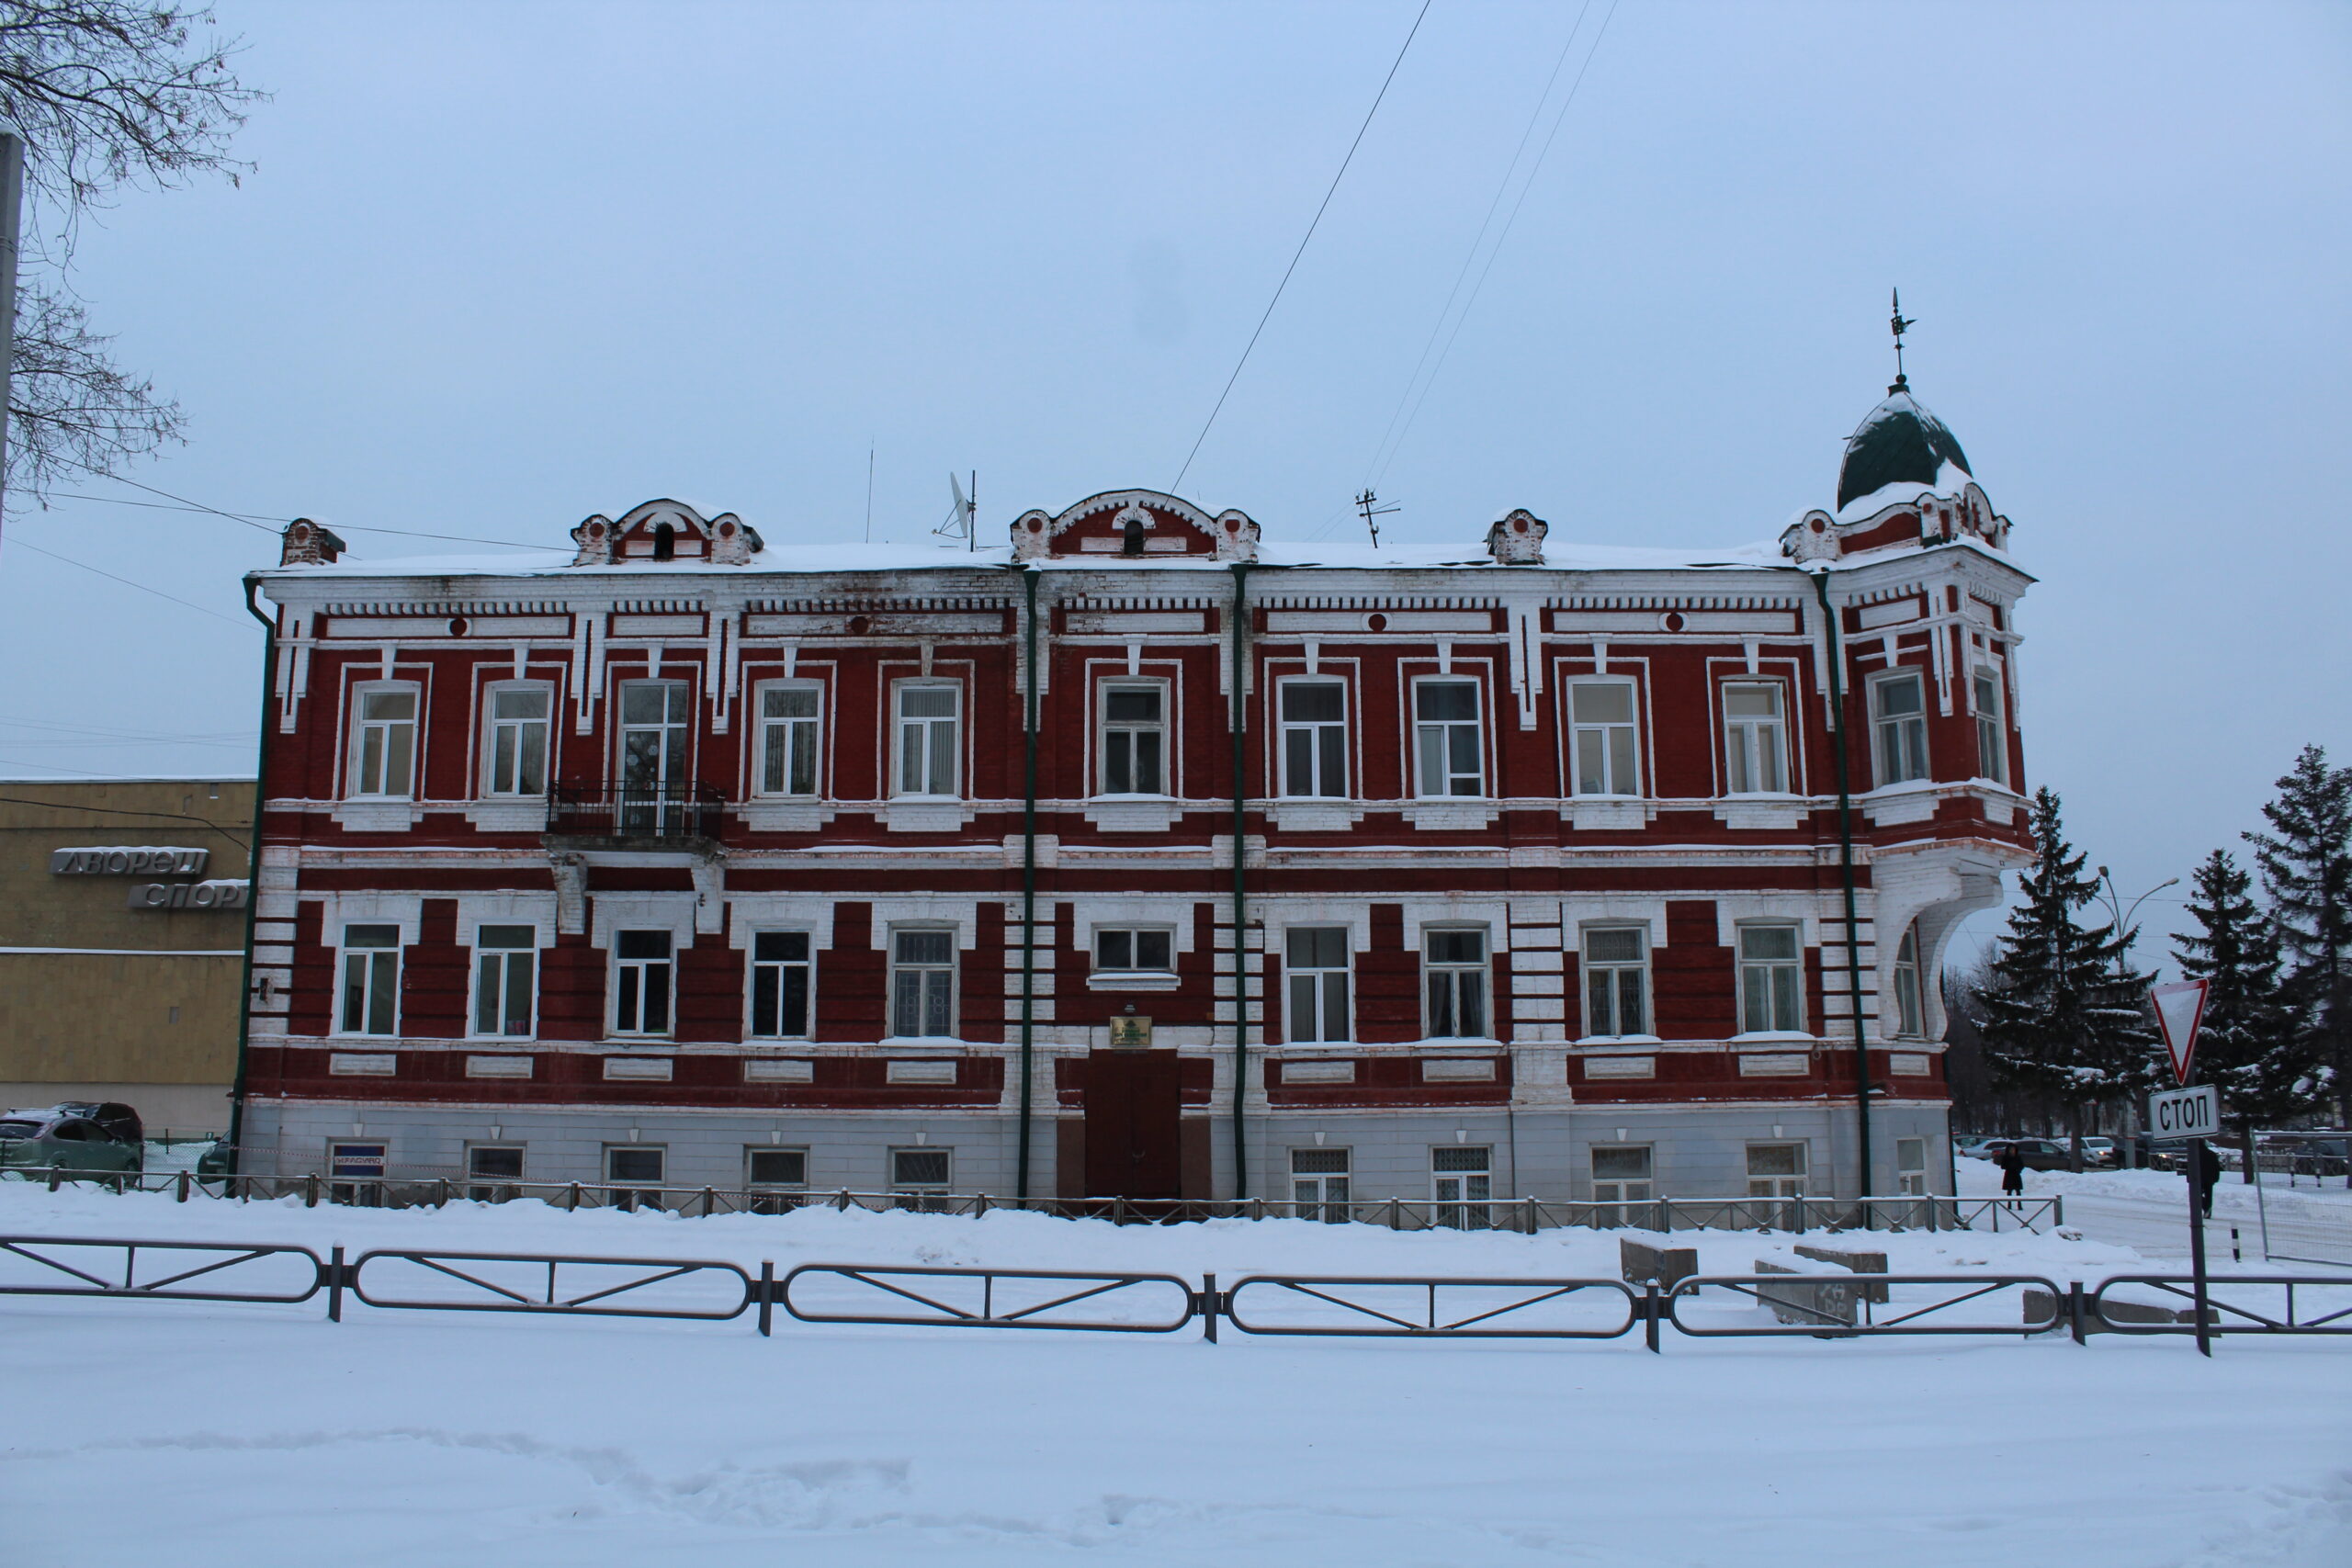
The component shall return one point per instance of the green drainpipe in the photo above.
(1846, 872)
(1028, 877)
(1240, 883)
(252, 886)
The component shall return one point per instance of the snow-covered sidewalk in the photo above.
(265, 1436)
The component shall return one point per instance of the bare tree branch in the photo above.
(71, 409)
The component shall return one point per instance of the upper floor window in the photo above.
(928, 747)
(1315, 962)
(1135, 741)
(922, 983)
(1771, 979)
(1601, 737)
(1616, 980)
(1899, 720)
(1453, 975)
(1910, 1020)
(505, 960)
(643, 971)
(1314, 727)
(788, 739)
(383, 747)
(654, 716)
(518, 739)
(1756, 739)
(1447, 747)
(1133, 949)
(371, 979)
(1992, 735)
(781, 973)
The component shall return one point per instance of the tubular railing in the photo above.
(70, 1266)
(1842, 1305)
(495, 1282)
(2233, 1305)
(1525, 1215)
(987, 1298)
(1422, 1308)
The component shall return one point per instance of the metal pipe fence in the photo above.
(1524, 1215)
(1822, 1304)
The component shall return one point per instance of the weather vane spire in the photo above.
(1901, 323)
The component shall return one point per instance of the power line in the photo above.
(1229, 380)
(256, 519)
(1536, 169)
(21, 544)
(73, 806)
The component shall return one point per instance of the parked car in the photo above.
(60, 1138)
(2320, 1157)
(2040, 1153)
(215, 1159)
(120, 1120)
(1971, 1145)
(2101, 1153)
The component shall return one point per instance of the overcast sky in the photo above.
(500, 266)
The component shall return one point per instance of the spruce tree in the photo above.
(2306, 861)
(2065, 1015)
(2248, 1047)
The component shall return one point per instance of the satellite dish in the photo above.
(963, 518)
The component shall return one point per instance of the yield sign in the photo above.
(2180, 1008)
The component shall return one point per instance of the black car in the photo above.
(120, 1121)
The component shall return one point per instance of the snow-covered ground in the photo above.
(260, 1436)
(2148, 1210)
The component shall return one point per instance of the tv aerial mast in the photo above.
(1368, 504)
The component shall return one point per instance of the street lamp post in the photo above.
(2122, 917)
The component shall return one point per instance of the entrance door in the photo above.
(653, 754)
(1133, 1105)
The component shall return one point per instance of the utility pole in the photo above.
(1368, 504)
(12, 203)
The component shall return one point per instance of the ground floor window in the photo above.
(1776, 1171)
(1911, 1166)
(1622, 1174)
(638, 1170)
(921, 1176)
(776, 1167)
(1462, 1180)
(1318, 1183)
(489, 1164)
(355, 1171)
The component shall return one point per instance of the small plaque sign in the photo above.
(1129, 1033)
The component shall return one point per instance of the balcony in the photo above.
(669, 813)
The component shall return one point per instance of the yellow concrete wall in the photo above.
(145, 1009)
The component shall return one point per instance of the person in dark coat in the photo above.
(2208, 1172)
(2012, 1164)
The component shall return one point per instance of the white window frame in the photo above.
(377, 968)
(1113, 732)
(1308, 991)
(1136, 966)
(495, 978)
(1321, 1182)
(1766, 973)
(1756, 747)
(1899, 741)
(1992, 728)
(1436, 769)
(751, 1153)
(1603, 731)
(1612, 973)
(1460, 1197)
(779, 969)
(946, 1182)
(915, 750)
(786, 738)
(1318, 749)
(481, 1189)
(667, 783)
(499, 780)
(1911, 1173)
(1622, 1187)
(629, 1024)
(1910, 1010)
(902, 968)
(1778, 1184)
(661, 1153)
(1443, 984)
(383, 732)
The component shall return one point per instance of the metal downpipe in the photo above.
(1846, 874)
(253, 884)
(1028, 876)
(1240, 881)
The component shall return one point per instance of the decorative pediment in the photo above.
(1135, 526)
(1919, 520)
(658, 532)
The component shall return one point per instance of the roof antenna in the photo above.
(963, 518)
(1369, 505)
(1901, 325)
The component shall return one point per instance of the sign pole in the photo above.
(2180, 1008)
(2197, 1240)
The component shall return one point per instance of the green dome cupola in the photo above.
(1897, 443)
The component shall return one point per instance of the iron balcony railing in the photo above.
(635, 811)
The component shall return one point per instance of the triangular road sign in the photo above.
(2180, 1008)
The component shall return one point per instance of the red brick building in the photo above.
(682, 857)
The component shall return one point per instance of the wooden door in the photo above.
(1133, 1141)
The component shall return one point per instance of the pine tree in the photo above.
(2306, 861)
(2065, 1015)
(2249, 1047)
